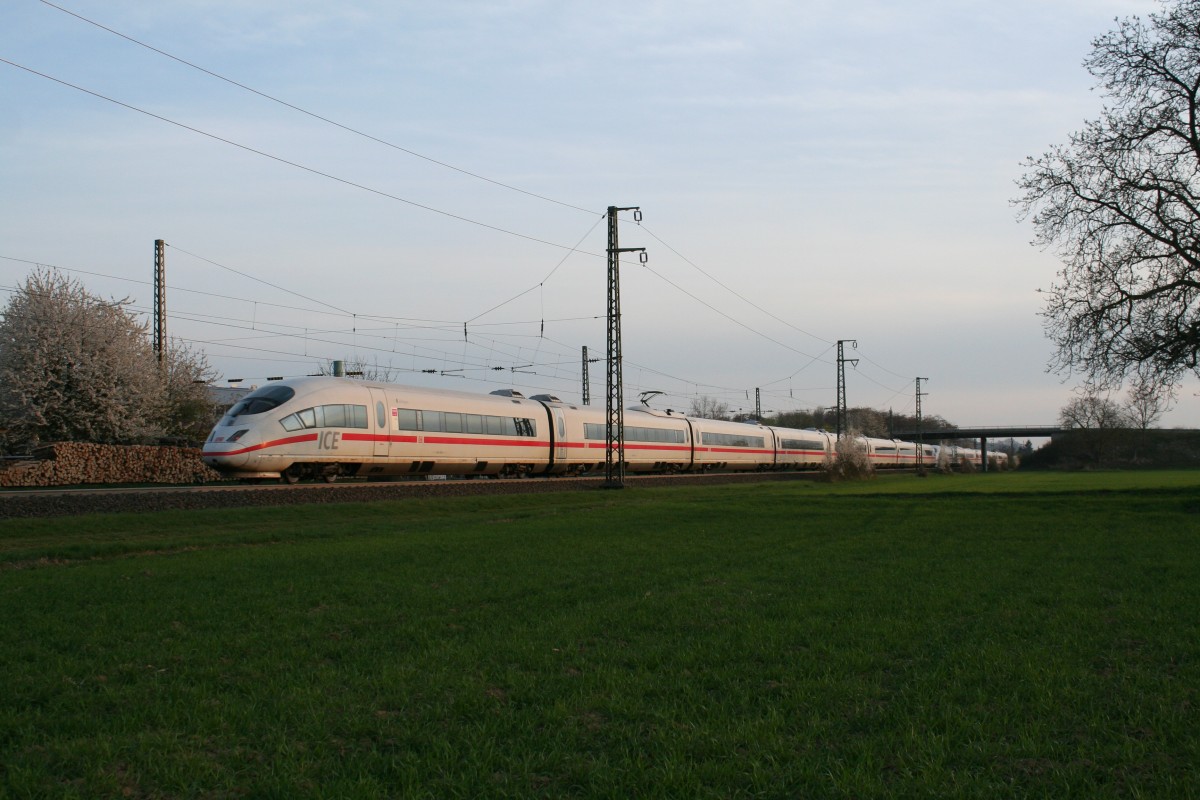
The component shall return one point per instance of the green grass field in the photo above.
(973, 636)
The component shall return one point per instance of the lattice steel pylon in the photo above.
(614, 431)
(841, 384)
(160, 300)
(587, 382)
(920, 426)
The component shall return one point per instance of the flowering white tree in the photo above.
(74, 367)
(189, 410)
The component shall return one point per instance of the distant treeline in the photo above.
(1113, 448)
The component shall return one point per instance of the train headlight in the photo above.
(238, 435)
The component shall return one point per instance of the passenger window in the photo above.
(406, 419)
(454, 422)
(335, 416)
(474, 423)
(291, 423)
(307, 417)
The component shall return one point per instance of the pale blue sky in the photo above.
(845, 168)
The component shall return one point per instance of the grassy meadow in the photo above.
(1011, 635)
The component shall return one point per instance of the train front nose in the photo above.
(228, 449)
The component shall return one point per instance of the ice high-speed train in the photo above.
(325, 427)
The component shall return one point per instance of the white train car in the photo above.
(655, 441)
(732, 446)
(891, 453)
(802, 449)
(326, 427)
(952, 456)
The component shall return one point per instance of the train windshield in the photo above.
(259, 401)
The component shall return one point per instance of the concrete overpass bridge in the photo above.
(982, 434)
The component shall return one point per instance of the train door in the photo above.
(560, 437)
(382, 416)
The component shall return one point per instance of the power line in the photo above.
(394, 146)
(548, 276)
(377, 339)
(716, 310)
(447, 325)
(734, 292)
(434, 210)
(287, 162)
(314, 115)
(259, 280)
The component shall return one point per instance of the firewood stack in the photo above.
(70, 463)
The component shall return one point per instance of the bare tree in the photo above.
(74, 367)
(1146, 400)
(1121, 205)
(1098, 419)
(1092, 410)
(709, 408)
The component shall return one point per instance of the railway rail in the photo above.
(48, 502)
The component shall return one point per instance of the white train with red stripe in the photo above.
(328, 426)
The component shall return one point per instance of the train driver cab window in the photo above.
(259, 401)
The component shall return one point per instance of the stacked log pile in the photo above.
(71, 463)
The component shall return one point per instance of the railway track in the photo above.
(48, 502)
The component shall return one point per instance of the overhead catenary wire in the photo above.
(462, 365)
(260, 327)
(259, 280)
(718, 311)
(732, 291)
(263, 328)
(543, 280)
